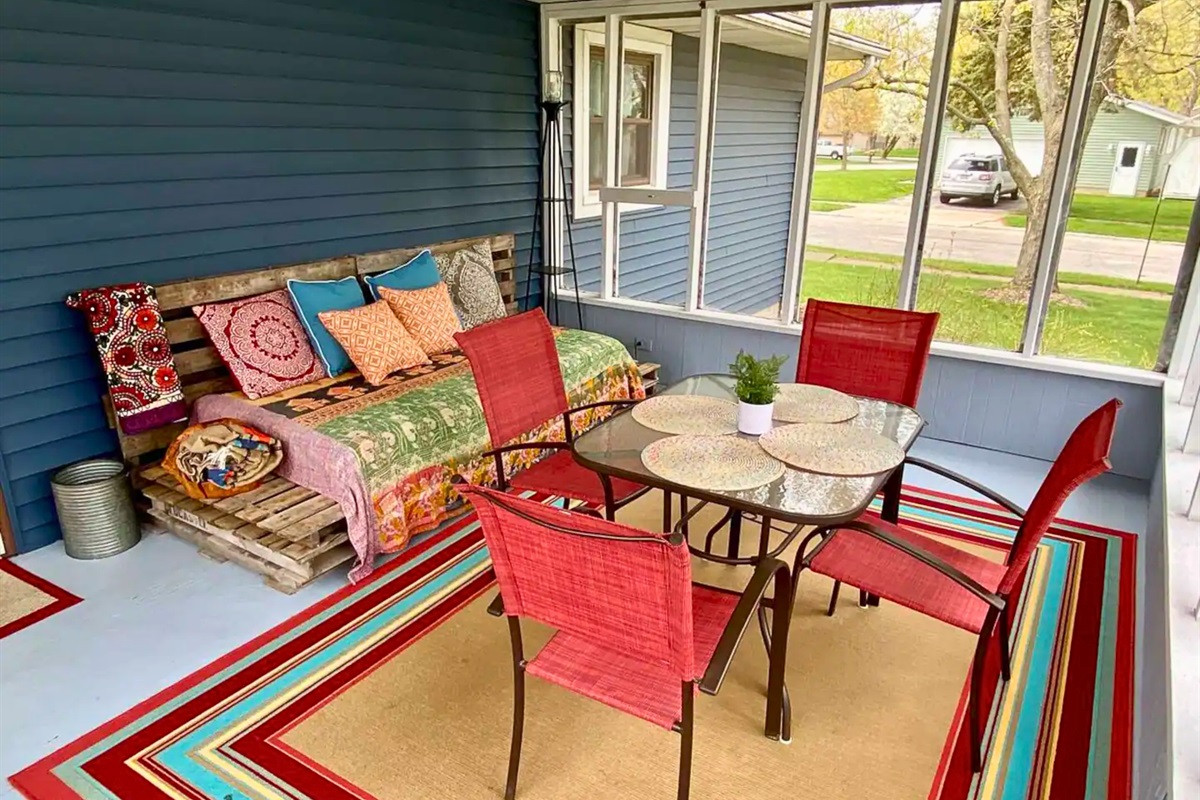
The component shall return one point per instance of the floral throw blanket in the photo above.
(410, 436)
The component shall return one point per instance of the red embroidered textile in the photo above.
(262, 342)
(136, 354)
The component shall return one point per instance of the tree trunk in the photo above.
(846, 150)
(889, 144)
(1035, 224)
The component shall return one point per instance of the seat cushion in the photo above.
(310, 298)
(427, 314)
(374, 340)
(562, 475)
(645, 690)
(867, 563)
(419, 272)
(262, 342)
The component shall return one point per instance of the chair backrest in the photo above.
(1083, 457)
(864, 350)
(515, 363)
(626, 589)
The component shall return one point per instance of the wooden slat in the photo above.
(201, 359)
(186, 329)
(311, 527)
(306, 553)
(297, 513)
(184, 294)
(284, 500)
(269, 488)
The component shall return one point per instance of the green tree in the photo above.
(1014, 58)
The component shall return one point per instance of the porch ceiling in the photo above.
(784, 33)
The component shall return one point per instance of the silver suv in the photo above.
(980, 177)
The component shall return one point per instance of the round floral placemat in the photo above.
(804, 402)
(713, 463)
(832, 449)
(687, 413)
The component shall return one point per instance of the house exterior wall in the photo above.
(160, 141)
(1099, 152)
(754, 160)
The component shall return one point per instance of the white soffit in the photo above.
(783, 34)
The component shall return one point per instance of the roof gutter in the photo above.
(869, 63)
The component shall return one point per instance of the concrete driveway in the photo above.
(977, 233)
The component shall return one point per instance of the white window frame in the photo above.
(637, 39)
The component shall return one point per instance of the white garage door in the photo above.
(1030, 151)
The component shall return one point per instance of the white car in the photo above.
(827, 148)
(980, 177)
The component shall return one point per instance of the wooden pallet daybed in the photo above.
(285, 532)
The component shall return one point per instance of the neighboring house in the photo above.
(754, 153)
(1128, 150)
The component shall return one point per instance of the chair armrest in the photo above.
(974, 486)
(735, 629)
(928, 559)
(495, 451)
(496, 607)
(602, 404)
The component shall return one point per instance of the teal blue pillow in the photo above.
(311, 298)
(419, 272)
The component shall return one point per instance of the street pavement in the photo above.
(976, 233)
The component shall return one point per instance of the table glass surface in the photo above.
(615, 447)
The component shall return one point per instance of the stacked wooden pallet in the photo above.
(289, 534)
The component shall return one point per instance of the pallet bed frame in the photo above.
(288, 534)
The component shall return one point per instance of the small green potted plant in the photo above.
(757, 385)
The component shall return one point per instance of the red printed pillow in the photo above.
(262, 342)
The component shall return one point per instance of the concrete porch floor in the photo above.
(153, 615)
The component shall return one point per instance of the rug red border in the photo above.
(62, 598)
(38, 781)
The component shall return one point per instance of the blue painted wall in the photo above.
(158, 140)
(754, 161)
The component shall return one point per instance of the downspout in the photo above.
(869, 63)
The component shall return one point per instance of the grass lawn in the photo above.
(999, 270)
(1128, 217)
(1110, 227)
(819, 205)
(904, 152)
(862, 185)
(1111, 328)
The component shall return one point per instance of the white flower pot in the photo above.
(754, 419)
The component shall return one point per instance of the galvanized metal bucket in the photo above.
(95, 509)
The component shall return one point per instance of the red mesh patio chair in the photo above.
(632, 630)
(949, 584)
(864, 350)
(515, 363)
(870, 352)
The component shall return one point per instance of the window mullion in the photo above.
(931, 133)
(706, 107)
(614, 56)
(1063, 181)
(806, 153)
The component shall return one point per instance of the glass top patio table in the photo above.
(614, 447)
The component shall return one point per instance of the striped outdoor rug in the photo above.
(256, 723)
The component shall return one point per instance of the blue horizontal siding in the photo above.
(758, 121)
(754, 161)
(161, 140)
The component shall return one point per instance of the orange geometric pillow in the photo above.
(374, 339)
(428, 314)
